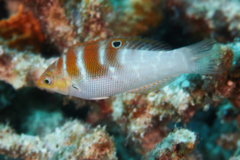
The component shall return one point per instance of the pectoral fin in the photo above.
(154, 86)
(75, 84)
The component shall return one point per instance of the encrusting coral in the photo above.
(89, 19)
(228, 141)
(54, 24)
(175, 146)
(73, 140)
(219, 19)
(96, 19)
(73, 21)
(20, 68)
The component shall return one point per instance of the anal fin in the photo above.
(153, 86)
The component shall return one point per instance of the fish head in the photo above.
(53, 79)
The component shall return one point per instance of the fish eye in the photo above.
(47, 80)
(116, 44)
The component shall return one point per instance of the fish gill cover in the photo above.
(195, 117)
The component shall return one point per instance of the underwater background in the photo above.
(195, 117)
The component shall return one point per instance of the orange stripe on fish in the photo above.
(71, 64)
(91, 60)
(60, 64)
(112, 50)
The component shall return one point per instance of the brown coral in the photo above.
(93, 18)
(203, 19)
(141, 116)
(22, 30)
(150, 15)
(137, 18)
(229, 83)
(229, 141)
(53, 21)
(20, 69)
(72, 141)
(175, 146)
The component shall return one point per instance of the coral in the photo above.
(228, 85)
(212, 134)
(52, 19)
(74, 21)
(175, 146)
(219, 19)
(89, 19)
(21, 30)
(228, 141)
(138, 17)
(72, 141)
(94, 19)
(229, 137)
(20, 68)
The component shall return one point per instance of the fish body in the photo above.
(99, 69)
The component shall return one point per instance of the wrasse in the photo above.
(99, 69)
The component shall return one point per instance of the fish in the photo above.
(99, 69)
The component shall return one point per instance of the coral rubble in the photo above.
(175, 146)
(21, 30)
(52, 19)
(68, 22)
(219, 19)
(96, 19)
(72, 141)
(20, 68)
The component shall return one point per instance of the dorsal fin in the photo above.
(134, 43)
(137, 43)
(87, 43)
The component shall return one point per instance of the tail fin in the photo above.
(205, 57)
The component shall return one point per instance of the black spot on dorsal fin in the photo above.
(135, 43)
